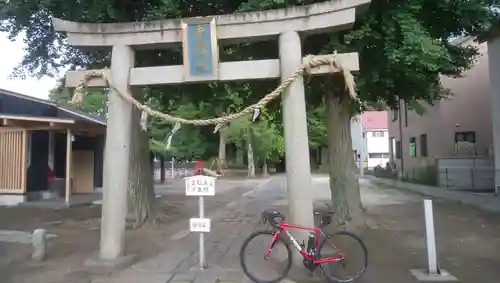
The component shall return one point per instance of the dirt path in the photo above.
(78, 233)
(467, 239)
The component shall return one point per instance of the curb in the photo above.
(482, 202)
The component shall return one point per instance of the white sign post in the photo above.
(200, 186)
(433, 272)
(430, 238)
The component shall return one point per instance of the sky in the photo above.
(11, 55)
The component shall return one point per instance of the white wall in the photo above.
(356, 134)
(358, 141)
(377, 141)
(377, 147)
(494, 70)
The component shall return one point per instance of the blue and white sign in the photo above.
(201, 54)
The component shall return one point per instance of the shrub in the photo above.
(386, 172)
(426, 175)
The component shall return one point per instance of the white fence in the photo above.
(174, 169)
(466, 173)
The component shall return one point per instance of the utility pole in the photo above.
(362, 148)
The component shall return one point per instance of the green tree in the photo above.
(94, 103)
(316, 119)
(262, 140)
(403, 46)
(269, 142)
(240, 133)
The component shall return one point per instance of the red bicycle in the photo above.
(314, 255)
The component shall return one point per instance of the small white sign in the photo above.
(199, 225)
(200, 185)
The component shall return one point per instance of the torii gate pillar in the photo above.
(116, 157)
(298, 168)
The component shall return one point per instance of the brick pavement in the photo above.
(231, 224)
(467, 240)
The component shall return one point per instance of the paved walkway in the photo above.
(467, 240)
(230, 226)
(484, 201)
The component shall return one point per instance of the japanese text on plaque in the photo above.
(200, 50)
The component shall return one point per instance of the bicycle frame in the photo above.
(317, 233)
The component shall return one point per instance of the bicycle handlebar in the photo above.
(271, 216)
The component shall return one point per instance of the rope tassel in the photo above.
(77, 97)
(172, 133)
(256, 113)
(144, 120)
(217, 128)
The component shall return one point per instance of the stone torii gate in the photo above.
(200, 38)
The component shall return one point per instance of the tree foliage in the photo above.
(403, 47)
(94, 102)
(265, 136)
(316, 127)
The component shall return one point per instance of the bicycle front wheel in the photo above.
(354, 252)
(253, 259)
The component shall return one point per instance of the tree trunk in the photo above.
(239, 157)
(344, 185)
(323, 167)
(141, 201)
(251, 162)
(162, 169)
(222, 148)
(324, 157)
(265, 172)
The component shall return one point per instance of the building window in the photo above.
(378, 155)
(413, 147)
(465, 137)
(394, 114)
(378, 134)
(423, 145)
(398, 149)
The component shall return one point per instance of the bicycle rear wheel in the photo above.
(355, 254)
(251, 255)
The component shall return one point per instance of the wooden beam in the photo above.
(36, 119)
(228, 71)
(10, 129)
(24, 164)
(33, 126)
(69, 170)
(45, 128)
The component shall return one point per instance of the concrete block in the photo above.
(423, 275)
(98, 264)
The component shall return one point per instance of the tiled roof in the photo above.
(375, 120)
(72, 112)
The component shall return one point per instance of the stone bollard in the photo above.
(39, 241)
